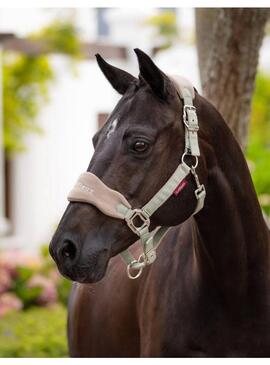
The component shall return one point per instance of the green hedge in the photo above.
(36, 332)
(258, 151)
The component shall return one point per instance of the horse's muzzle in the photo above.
(72, 264)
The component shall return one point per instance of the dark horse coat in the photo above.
(207, 294)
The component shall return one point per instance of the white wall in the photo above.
(42, 176)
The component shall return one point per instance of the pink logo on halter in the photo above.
(180, 187)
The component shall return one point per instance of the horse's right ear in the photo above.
(119, 79)
(152, 75)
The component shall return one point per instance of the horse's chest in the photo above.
(195, 331)
(194, 324)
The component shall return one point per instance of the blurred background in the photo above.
(53, 98)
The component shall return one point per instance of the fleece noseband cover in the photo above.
(90, 189)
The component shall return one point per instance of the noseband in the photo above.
(90, 189)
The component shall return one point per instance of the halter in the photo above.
(90, 189)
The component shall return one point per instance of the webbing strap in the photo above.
(167, 189)
(151, 241)
(149, 250)
(191, 128)
(187, 94)
(160, 197)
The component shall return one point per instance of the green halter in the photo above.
(90, 189)
(151, 240)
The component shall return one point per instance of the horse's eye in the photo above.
(140, 146)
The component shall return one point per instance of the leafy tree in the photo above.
(60, 37)
(25, 88)
(165, 24)
(228, 43)
(26, 80)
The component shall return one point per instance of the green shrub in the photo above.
(28, 280)
(63, 285)
(36, 332)
(258, 151)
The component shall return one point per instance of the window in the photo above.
(102, 23)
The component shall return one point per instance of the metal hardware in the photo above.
(200, 187)
(193, 128)
(150, 256)
(196, 177)
(136, 265)
(138, 213)
(196, 160)
(199, 192)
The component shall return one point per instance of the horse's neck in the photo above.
(232, 240)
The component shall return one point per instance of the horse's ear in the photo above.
(152, 75)
(119, 79)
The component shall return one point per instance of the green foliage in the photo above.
(29, 280)
(37, 332)
(63, 289)
(63, 285)
(166, 27)
(28, 295)
(25, 85)
(61, 37)
(26, 80)
(48, 264)
(258, 151)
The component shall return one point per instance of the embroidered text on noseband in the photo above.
(85, 188)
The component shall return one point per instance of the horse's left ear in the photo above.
(119, 79)
(152, 75)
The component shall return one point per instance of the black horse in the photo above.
(207, 294)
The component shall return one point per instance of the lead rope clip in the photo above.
(200, 187)
(136, 265)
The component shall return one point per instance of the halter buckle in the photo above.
(145, 221)
(194, 127)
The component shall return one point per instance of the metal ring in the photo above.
(129, 272)
(196, 159)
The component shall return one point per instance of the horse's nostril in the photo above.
(68, 250)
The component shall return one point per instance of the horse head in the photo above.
(136, 152)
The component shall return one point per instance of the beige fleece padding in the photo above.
(181, 83)
(90, 189)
